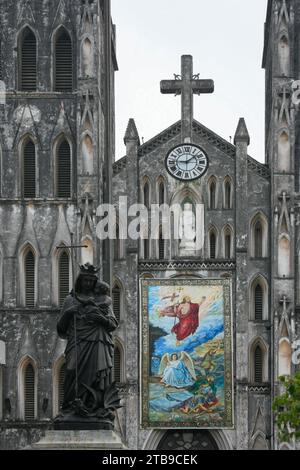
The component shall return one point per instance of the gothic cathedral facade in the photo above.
(57, 165)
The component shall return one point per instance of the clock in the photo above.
(187, 162)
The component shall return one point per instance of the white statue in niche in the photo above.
(87, 58)
(187, 231)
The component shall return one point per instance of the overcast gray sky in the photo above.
(225, 38)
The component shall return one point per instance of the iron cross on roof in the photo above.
(186, 85)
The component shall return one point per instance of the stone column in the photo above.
(242, 141)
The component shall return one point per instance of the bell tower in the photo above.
(57, 63)
(281, 64)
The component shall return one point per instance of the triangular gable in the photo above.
(207, 135)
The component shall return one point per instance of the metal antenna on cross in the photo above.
(73, 247)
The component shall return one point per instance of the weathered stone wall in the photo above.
(46, 221)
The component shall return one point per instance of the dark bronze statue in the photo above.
(87, 322)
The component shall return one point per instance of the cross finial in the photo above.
(187, 85)
(284, 301)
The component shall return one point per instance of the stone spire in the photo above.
(242, 134)
(131, 133)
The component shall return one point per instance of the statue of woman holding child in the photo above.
(87, 322)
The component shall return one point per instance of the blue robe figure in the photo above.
(177, 372)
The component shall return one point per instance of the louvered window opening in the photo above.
(227, 246)
(161, 246)
(258, 365)
(213, 246)
(28, 62)
(61, 382)
(29, 395)
(258, 302)
(29, 170)
(117, 302)
(63, 172)
(117, 365)
(64, 277)
(213, 195)
(63, 63)
(258, 240)
(227, 195)
(29, 279)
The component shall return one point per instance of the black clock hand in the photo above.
(192, 158)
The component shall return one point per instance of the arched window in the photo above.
(161, 245)
(116, 298)
(146, 194)
(63, 80)
(227, 242)
(212, 244)
(63, 276)
(146, 200)
(258, 364)
(117, 246)
(259, 237)
(213, 194)
(227, 194)
(258, 232)
(146, 249)
(27, 63)
(259, 361)
(258, 302)
(258, 299)
(161, 192)
(181, 439)
(61, 381)
(63, 170)
(29, 393)
(117, 364)
(29, 170)
(29, 271)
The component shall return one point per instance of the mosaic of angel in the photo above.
(177, 371)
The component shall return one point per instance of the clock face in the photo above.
(187, 162)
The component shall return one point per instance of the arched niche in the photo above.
(284, 256)
(284, 56)
(284, 152)
(284, 357)
(87, 251)
(87, 58)
(87, 154)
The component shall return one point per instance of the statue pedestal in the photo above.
(80, 440)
